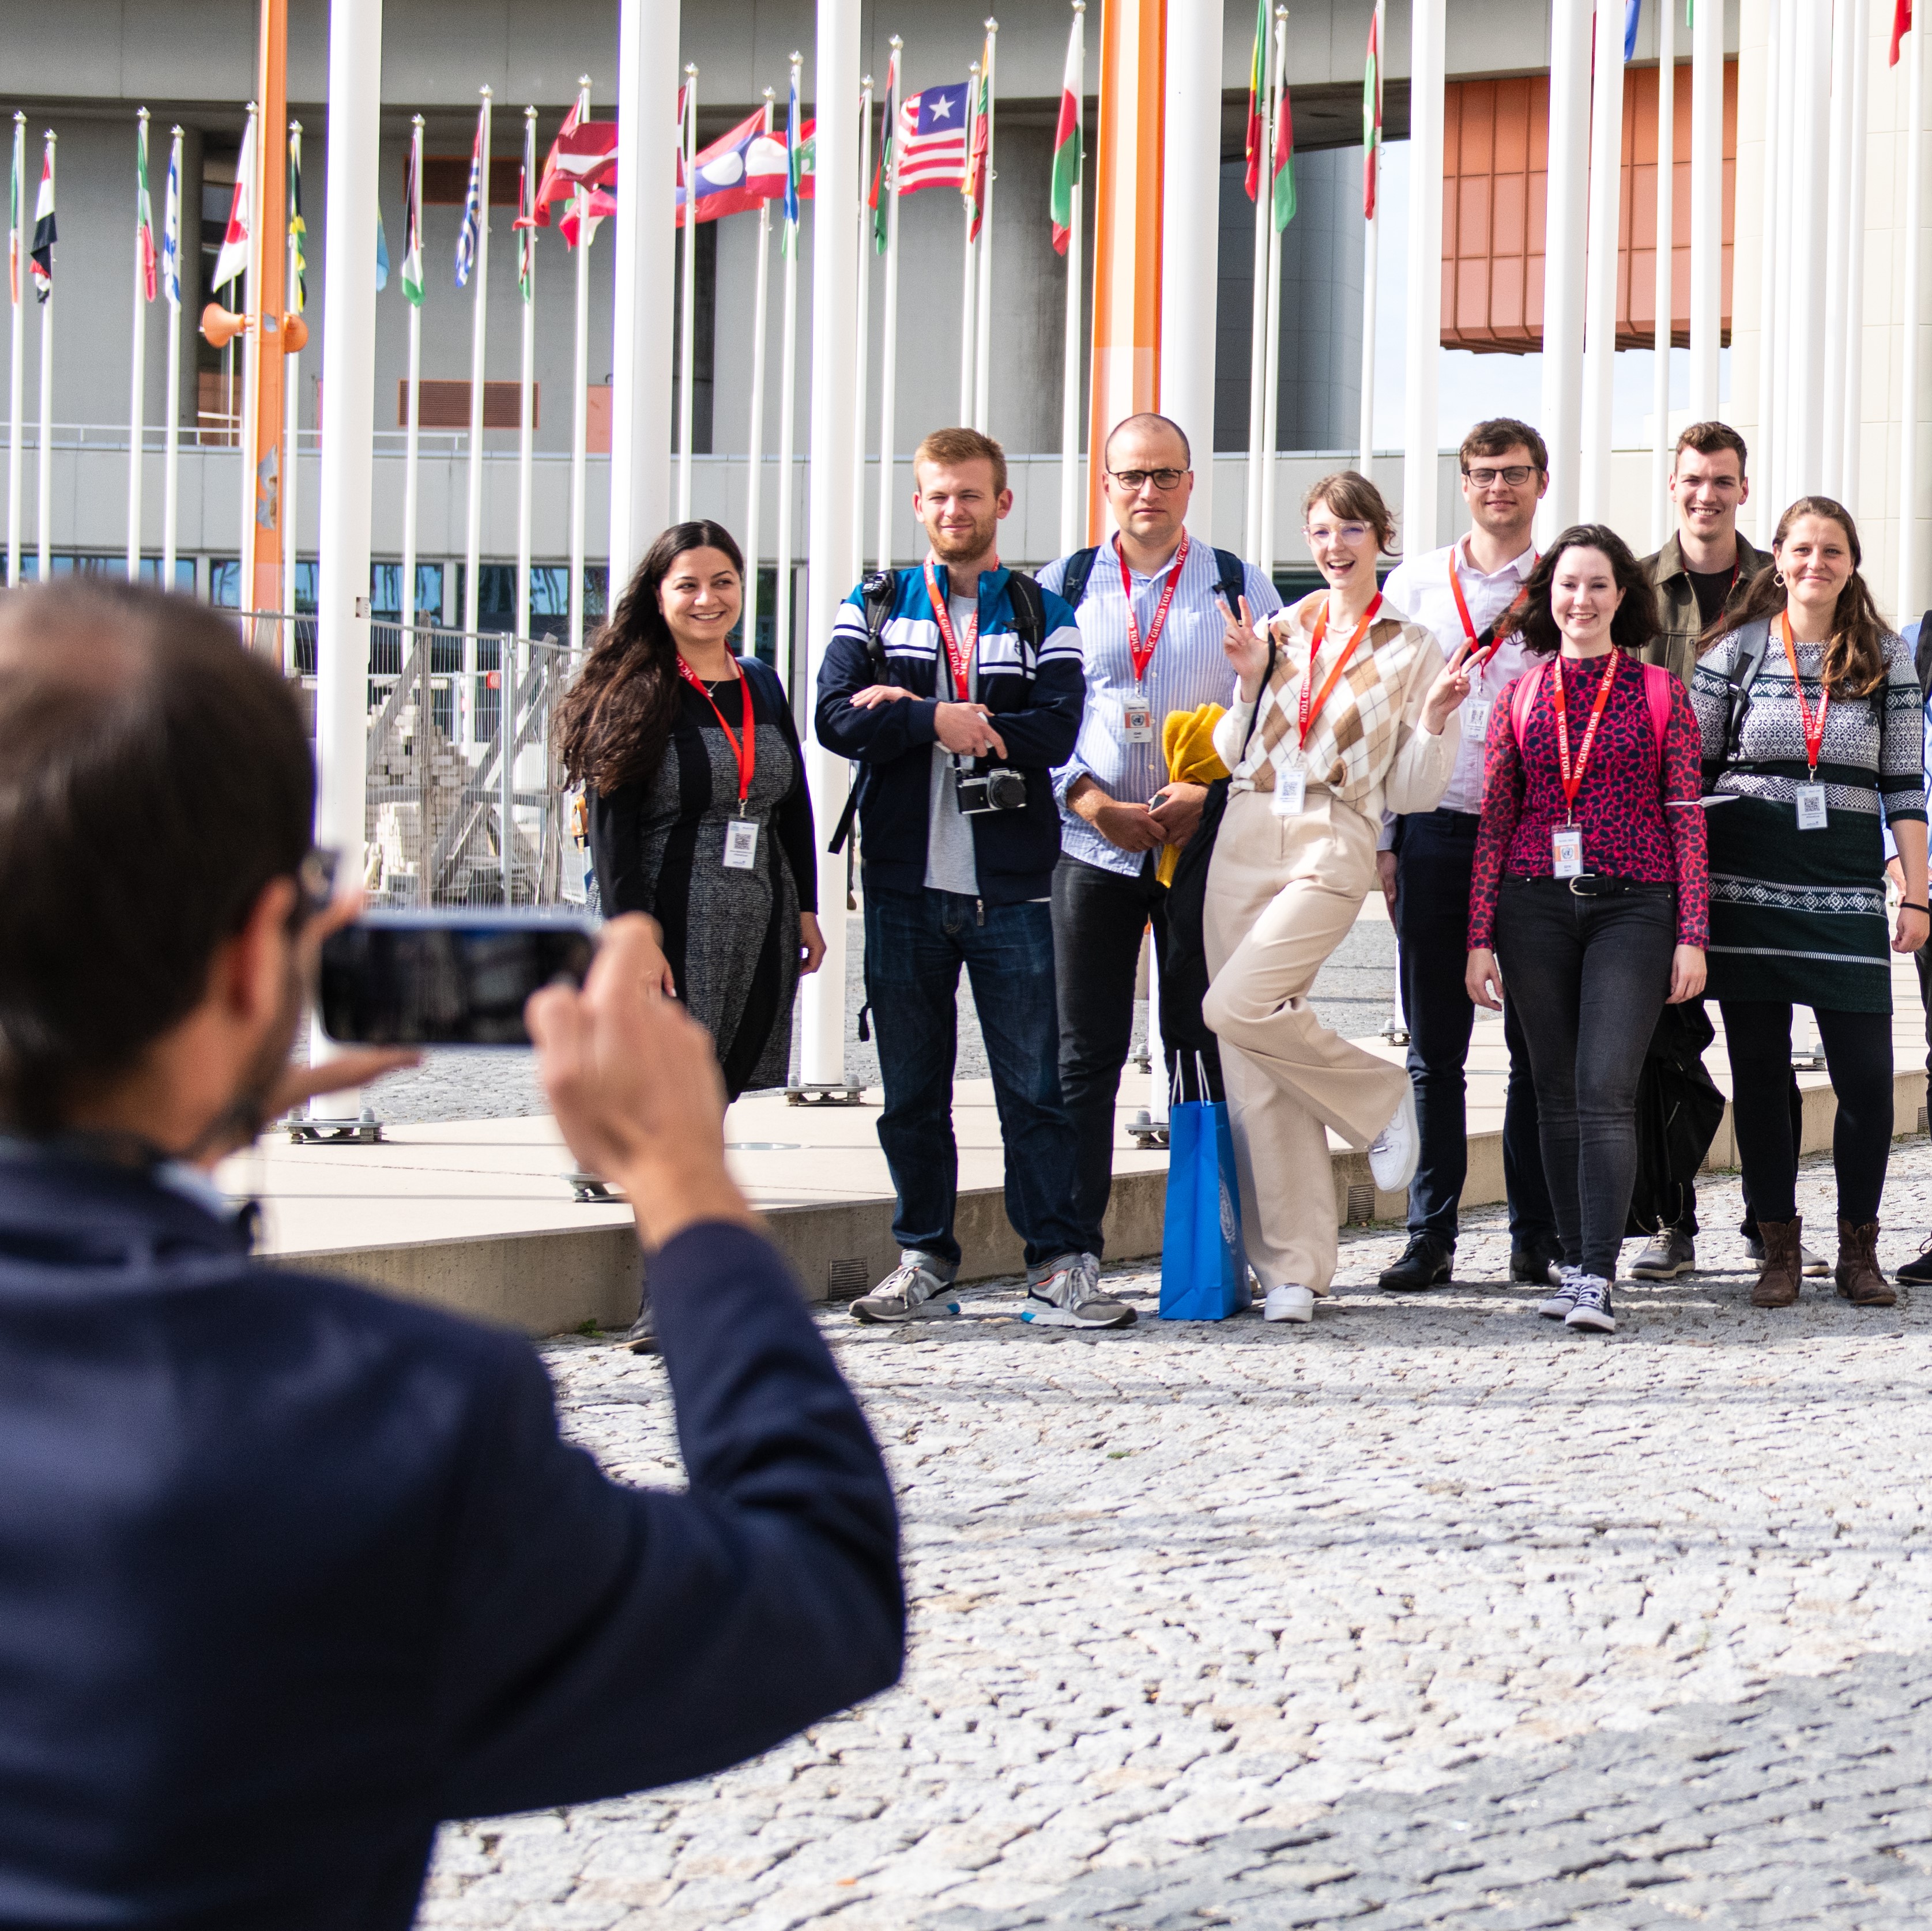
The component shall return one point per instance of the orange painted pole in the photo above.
(261, 543)
(1127, 228)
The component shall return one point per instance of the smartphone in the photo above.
(445, 979)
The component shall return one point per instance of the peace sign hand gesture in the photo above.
(1453, 683)
(1246, 650)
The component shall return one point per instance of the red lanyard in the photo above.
(960, 661)
(1573, 781)
(1311, 700)
(1142, 657)
(745, 752)
(1813, 727)
(1462, 609)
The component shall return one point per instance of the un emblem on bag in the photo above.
(1231, 1223)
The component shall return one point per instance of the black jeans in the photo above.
(1922, 959)
(1794, 1106)
(1098, 918)
(1858, 1055)
(1434, 855)
(1588, 975)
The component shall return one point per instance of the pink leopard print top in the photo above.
(1628, 832)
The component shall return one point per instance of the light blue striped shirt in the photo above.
(1189, 669)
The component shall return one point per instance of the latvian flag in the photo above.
(45, 233)
(932, 139)
(583, 154)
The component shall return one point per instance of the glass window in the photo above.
(224, 582)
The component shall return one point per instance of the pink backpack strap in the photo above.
(1522, 698)
(1657, 679)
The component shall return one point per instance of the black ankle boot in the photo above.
(1425, 1263)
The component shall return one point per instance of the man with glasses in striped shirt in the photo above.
(1148, 603)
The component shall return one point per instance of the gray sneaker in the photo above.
(1667, 1256)
(1593, 1309)
(914, 1291)
(1066, 1293)
(1558, 1305)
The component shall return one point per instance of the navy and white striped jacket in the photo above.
(1036, 698)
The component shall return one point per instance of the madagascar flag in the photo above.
(1372, 117)
(1066, 139)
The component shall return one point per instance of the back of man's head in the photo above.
(153, 778)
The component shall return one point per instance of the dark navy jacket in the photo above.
(1037, 700)
(289, 1571)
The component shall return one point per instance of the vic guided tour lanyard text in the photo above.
(741, 834)
(1142, 653)
(1810, 795)
(1291, 783)
(959, 662)
(1566, 841)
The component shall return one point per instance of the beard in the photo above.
(240, 1123)
(957, 546)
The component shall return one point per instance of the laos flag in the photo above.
(740, 170)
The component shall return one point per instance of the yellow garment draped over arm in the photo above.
(1187, 748)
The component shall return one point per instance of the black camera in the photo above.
(994, 789)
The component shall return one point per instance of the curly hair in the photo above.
(1636, 623)
(1855, 654)
(615, 719)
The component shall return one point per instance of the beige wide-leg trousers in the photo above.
(1281, 895)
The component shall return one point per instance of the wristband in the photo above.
(1907, 905)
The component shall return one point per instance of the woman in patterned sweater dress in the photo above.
(1588, 897)
(1828, 734)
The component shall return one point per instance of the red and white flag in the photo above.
(232, 261)
(584, 155)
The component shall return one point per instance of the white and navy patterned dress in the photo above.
(1798, 917)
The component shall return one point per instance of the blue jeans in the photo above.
(1436, 854)
(916, 942)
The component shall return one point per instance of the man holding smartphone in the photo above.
(291, 1571)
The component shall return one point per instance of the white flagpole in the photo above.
(579, 406)
(1071, 494)
(43, 456)
(1264, 554)
(889, 326)
(171, 457)
(863, 311)
(246, 283)
(787, 442)
(526, 416)
(1258, 339)
(291, 433)
(1421, 433)
(412, 419)
(1909, 583)
(1840, 136)
(754, 487)
(473, 530)
(1770, 322)
(1665, 283)
(137, 397)
(969, 298)
(982, 343)
(1854, 271)
(1600, 297)
(1366, 461)
(1707, 167)
(16, 376)
(688, 302)
(1565, 212)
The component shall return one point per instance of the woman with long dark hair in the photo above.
(1589, 901)
(1812, 726)
(705, 826)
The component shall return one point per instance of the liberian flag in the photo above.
(1901, 26)
(45, 232)
(412, 259)
(171, 229)
(1372, 117)
(470, 234)
(882, 174)
(1282, 175)
(975, 186)
(1066, 139)
(233, 258)
(738, 172)
(144, 212)
(1257, 93)
(932, 138)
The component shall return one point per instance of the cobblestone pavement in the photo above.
(1429, 1613)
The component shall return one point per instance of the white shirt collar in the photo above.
(1148, 576)
(1458, 553)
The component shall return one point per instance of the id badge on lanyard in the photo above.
(1811, 813)
(1476, 719)
(1136, 721)
(741, 845)
(1136, 713)
(1291, 787)
(1566, 851)
(1809, 798)
(741, 833)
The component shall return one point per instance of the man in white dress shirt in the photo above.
(1148, 605)
(1463, 593)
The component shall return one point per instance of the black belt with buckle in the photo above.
(1602, 885)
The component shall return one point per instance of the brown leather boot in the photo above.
(1859, 1280)
(1783, 1262)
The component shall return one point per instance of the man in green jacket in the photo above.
(1702, 571)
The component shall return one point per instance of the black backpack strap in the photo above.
(880, 592)
(1233, 586)
(1267, 678)
(1073, 579)
(1029, 607)
(1745, 665)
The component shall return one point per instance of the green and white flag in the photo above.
(1066, 138)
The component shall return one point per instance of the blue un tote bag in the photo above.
(1203, 1273)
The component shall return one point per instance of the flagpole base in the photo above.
(840, 1095)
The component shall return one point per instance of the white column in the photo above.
(137, 389)
(1707, 206)
(983, 330)
(889, 322)
(641, 321)
(1600, 345)
(17, 364)
(1665, 297)
(1566, 211)
(1771, 318)
(1853, 405)
(348, 440)
(1804, 286)
(472, 526)
(755, 442)
(835, 445)
(1190, 228)
(1840, 136)
(1423, 346)
(1911, 582)
(1258, 449)
(687, 315)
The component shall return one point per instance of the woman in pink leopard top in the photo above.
(1590, 899)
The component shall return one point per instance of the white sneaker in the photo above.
(1593, 1309)
(1398, 1147)
(1289, 1304)
(1558, 1305)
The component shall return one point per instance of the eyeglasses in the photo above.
(1516, 475)
(1350, 533)
(1131, 480)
